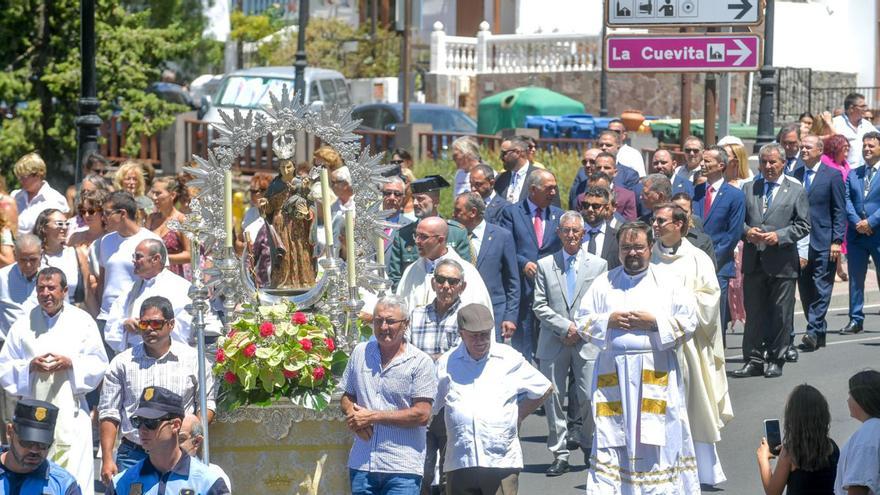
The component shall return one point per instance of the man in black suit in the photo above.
(482, 179)
(777, 216)
(827, 197)
(599, 237)
(789, 138)
(493, 257)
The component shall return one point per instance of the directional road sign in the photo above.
(647, 13)
(683, 53)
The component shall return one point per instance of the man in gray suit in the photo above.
(777, 216)
(562, 280)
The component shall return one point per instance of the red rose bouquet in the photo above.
(274, 353)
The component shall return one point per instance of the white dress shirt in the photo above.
(630, 157)
(685, 173)
(481, 404)
(477, 241)
(114, 253)
(516, 183)
(128, 305)
(600, 237)
(28, 210)
(462, 181)
(17, 296)
(853, 134)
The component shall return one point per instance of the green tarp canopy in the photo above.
(508, 109)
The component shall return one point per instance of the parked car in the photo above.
(249, 89)
(386, 116)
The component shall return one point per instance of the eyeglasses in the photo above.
(88, 211)
(396, 162)
(691, 151)
(422, 237)
(152, 324)
(392, 193)
(586, 161)
(149, 424)
(387, 321)
(107, 213)
(452, 282)
(661, 221)
(592, 206)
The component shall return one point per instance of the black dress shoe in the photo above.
(791, 354)
(809, 343)
(750, 369)
(851, 327)
(773, 371)
(558, 468)
(820, 339)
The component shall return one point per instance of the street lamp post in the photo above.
(88, 121)
(767, 83)
(603, 79)
(300, 57)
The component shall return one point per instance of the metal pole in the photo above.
(407, 58)
(767, 83)
(724, 106)
(88, 121)
(709, 101)
(199, 296)
(603, 77)
(685, 107)
(300, 57)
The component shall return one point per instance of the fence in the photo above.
(798, 94)
(112, 135)
(512, 53)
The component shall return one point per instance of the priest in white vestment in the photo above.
(55, 354)
(701, 358)
(642, 441)
(415, 284)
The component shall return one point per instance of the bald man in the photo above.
(415, 284)
(664, 163)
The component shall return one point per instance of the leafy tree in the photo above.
(41, 76)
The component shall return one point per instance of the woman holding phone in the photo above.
(858, 472)
(808, 457)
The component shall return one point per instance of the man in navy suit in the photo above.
(826, 195)
(693, 154)
(663, 163)
(533, 222)
(494, 259)
(482, 179)
(624, 177)
(579, 184)
(863, 229)
(609, 142)
(790, 139)
(722, 207)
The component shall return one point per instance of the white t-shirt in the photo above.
(114, 254)
(630, 157)
(29, 209)
(859, 463)
(853, 134)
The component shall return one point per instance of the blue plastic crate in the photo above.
(547, 125)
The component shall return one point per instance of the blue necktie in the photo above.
(570, 280)
(768, 195)
(808, 179)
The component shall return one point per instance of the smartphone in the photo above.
(773, 434)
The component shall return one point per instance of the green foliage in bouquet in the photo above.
(276, 353)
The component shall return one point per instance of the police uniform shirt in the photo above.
(48, 478)
(188, 477)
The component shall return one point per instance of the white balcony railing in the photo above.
(512, 53)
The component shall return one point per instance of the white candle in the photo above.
(227, 205)
(350, 254)
(380, 251)
(325, 209)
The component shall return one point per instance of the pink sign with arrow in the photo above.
(683, 53)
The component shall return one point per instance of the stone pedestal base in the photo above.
(283, 449)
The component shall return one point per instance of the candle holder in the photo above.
(352, 308)
(229, 267)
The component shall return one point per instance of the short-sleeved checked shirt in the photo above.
(391, 449)
(433, 333)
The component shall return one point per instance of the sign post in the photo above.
(683, 53)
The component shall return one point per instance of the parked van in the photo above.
(249, 89)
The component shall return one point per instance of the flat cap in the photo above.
(475, 318)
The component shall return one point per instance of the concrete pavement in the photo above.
(754, 399)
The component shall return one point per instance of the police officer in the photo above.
(24, 469)
(426, 201)
(168, 469)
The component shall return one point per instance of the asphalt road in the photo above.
(754, 399)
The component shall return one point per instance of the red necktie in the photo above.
(539, 227)
(708, 203)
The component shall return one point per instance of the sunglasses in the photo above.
(585, 161)
(692, 150)
(152, 324)
(452, 282)
(88, 211)
(592, 206)
(34, 445)
(59, 224)
(396, 162)
(387, 321)
(392, 193)
(149, 424)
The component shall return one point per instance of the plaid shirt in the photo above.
(433, 333)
